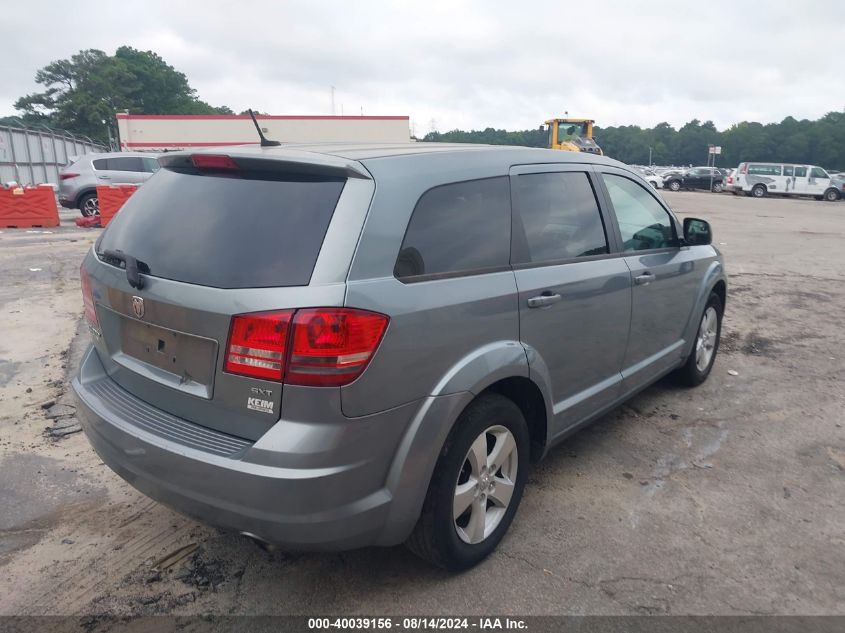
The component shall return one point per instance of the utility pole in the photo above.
(649, 155)
(332, 100)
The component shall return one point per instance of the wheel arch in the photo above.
(82, 193)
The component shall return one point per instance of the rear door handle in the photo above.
(644, 279)
(544, 300)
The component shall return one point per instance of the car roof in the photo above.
(346, 154)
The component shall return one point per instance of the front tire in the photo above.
(700, 361)
(675, 185)
(717, 187)
(476, 486)
(89, 205)
(831, 195)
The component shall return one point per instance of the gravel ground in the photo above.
(726, 499)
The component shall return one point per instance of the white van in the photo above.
(759, 179)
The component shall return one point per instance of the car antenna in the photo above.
(265, 142)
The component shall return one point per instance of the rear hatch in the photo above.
(211, 236)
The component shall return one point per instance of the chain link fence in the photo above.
(34, 155)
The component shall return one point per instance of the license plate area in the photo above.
(183, 361)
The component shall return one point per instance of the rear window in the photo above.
(226, 232)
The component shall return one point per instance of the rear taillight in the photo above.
(88, 298)
(730, 179)
(67, 176)
(326, 347)
(332, 346)
(257, 344)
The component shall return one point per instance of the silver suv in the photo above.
(78, 181)
(330, 347)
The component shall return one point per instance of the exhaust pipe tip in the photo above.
(260, 542)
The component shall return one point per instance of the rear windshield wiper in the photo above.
(133, 274)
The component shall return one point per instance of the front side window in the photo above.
(560, 218)
(458, 228)
(151, 165)
(643, 222)
(818, 172)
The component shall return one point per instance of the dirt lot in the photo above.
(726, 499)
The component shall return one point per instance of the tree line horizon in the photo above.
(814, 142)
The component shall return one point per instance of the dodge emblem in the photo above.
(138, 307)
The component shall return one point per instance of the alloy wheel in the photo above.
(485, 484)
(705, 343)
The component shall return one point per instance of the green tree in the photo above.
(82, 94)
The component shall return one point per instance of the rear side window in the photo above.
(101, 163)
(787, 170)
(151, 165)
(458, 228)
(800, 172)
(764, 170)
(126, 163)
(226, 232)
(560, 218)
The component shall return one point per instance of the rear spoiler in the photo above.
(287, 164)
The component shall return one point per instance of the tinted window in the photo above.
(126, 163)
(800, 172)
(643, 222)
(559, 216)
(764, 170)
(456, 228)
(226, 232)
(101, 163)
(151, 165)
(818, 172)
(787, 170)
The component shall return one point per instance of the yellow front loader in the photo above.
(572, 135)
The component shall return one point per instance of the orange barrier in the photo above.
(111, 198)
(24, 207)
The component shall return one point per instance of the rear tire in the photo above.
(717, 187)
(458, 543)
(89, 205)
(758, 191)
(700, 361)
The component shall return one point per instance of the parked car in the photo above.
(338, 346)
(651, 178)
(695, 178)
(78, 181)
(837, 181)
(730, 183)
(789, 179)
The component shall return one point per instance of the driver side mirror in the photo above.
(697, 232)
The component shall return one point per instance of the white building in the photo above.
(160, 132)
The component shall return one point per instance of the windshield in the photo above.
(569, 131)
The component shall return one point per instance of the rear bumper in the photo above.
(337, 501)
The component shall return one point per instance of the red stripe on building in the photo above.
(262, 116)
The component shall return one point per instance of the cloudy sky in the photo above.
(466, 64)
